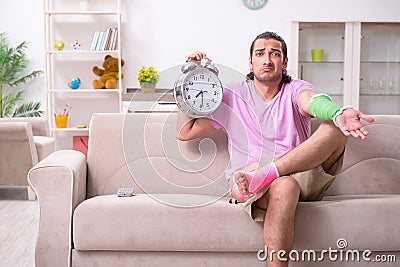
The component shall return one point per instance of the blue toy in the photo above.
(74, 83)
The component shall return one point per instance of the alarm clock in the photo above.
(198, 91)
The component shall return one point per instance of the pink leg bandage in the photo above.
(261, 177)
(258, 179)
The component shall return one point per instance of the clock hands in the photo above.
(200, 93)
(202, 97)
(194, 89)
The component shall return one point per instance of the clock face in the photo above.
(202, 91)
(254, 4)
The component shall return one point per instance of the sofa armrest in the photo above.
(59, 182)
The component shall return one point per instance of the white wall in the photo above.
(161, 33)
(22, 20)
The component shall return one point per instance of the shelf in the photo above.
(322, 62)
(380, 62)
(91, 91)
(321, 26)
(63, 20)
(81, 13)
(380, 95)
(70, 129)
(160, 95)
(380, 26)
(82, 52)
(366, 59)
(158, 90)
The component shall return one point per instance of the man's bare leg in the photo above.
(280, 201)
(324, 147)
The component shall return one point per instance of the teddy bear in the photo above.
(109, 75)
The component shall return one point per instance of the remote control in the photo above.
(125, 192)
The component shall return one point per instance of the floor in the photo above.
(18, 228)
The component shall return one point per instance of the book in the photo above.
(104, 40)
(99, 41)
(94, 40)
(113, 45)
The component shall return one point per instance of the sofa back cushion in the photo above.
(40, 125)
(371, 166)
(140, 150)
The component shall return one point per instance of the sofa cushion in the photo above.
(369, 165)
(142, 223)
(364, 221)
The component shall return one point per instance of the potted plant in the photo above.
(148, 78)
(13, 63)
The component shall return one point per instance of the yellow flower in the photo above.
(148, 75)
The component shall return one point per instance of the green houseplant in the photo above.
(13, 63)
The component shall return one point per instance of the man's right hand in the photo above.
(196, 56)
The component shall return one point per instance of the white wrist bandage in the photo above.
(340, 112)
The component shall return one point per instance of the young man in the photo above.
(274, 112)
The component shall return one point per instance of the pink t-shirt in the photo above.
(259, 130)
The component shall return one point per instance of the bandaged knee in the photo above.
(322, 107)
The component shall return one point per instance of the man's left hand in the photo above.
(349, 122)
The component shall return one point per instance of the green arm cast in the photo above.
(322, 107)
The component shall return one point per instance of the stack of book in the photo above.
(104, 40)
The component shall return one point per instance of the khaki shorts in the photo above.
(313, 185)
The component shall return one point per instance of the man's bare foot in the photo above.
(241, 191)
(242, 183)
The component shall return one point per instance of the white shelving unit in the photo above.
(329, 75)
(361, 65)
(64, 20)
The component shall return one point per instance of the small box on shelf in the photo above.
(80, 143)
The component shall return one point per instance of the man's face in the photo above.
(267, 60)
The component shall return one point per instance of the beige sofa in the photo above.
(23, 142)
(180, 216)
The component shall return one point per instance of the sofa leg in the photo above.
(31, 193)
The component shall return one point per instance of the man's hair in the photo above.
(267, 36)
